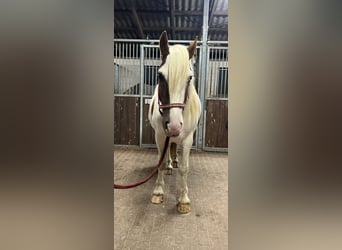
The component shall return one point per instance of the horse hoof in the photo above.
(168, 171)
(157, 198)
(183, 208)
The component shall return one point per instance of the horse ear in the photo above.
(164, 45)
(192, 48)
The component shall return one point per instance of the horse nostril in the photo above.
(165, 124)
(181, 124)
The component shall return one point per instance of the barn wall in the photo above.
(126, 122)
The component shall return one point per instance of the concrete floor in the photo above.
(139, 224)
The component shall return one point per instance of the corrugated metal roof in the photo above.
(182, 19)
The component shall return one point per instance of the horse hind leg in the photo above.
(169, 167)
(173, 153)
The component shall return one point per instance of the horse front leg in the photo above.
(183, 205)
(158, 192)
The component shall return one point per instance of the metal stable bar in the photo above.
(170, 41)
(217, 47)
(125, 95)
(203, 70)
(209, 87)
(217, 42)
(157, 41)
(116, 51)
(126, 75)
(199, 82)
(133, 51)
(225, 89)
(220, 86)
(141, 92)
(215, 80)
(150, 51)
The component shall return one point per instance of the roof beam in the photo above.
(176, 29)
(157, 29)
(136, 20)
(181, 29)
(188, 13)
(162, 12)
(121, 29)
(143, 12)
(175, 12)
(221, 13)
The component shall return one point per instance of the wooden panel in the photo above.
(216, 131)
(126, 120)
(147, 130)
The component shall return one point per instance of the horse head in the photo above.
(175, 75)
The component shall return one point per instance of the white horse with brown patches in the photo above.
(174, 112)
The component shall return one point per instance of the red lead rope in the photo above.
(116, 186)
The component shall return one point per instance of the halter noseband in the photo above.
(174, 105)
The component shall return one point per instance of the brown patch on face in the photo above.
(163, 90)
(187, 90)
(164, 98)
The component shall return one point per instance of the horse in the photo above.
(174, 112)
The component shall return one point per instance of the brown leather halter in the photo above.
(173, 105)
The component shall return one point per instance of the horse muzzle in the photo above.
(173, 129)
